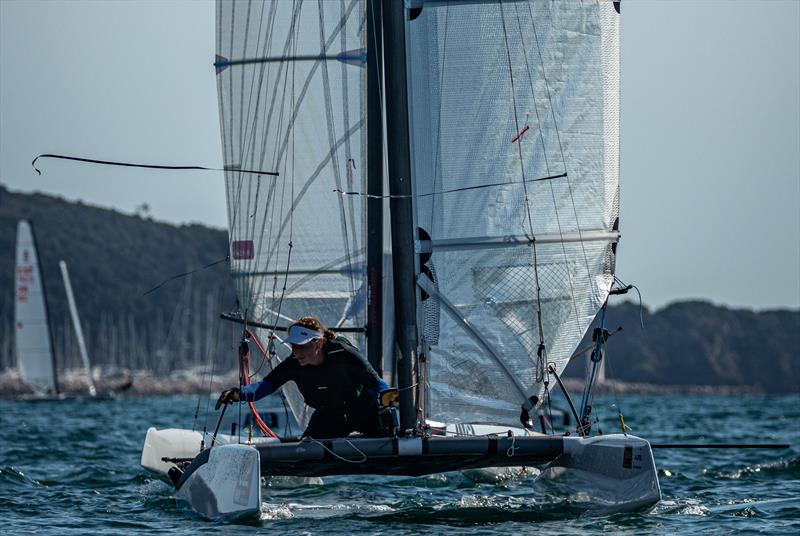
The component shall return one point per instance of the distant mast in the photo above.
(76, 322)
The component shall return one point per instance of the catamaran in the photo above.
(438, 181)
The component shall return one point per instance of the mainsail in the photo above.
(514, 143)
(292, 96)
(514, 114)
(34, 347)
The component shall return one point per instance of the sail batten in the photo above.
(479, 242)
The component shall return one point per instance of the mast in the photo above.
(399, 165)
(374, 188)
(76, 322)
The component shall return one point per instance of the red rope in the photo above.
(518, 136)
(244, 367)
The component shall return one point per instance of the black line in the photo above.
(720, 445)
(238, 320)
(148, 166)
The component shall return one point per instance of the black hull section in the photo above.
(405, 457)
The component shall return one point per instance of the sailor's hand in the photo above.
(389, 398)
(227, 396)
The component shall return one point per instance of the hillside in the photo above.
(697, 343)
(115, 258)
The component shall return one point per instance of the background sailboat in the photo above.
(32, 336)
(36, 360)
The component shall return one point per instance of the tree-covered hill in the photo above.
(115, 258)
(697, 343)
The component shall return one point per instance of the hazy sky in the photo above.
(710, 169)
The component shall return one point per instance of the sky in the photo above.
(710, 135)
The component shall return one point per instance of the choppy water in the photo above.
(72, 467)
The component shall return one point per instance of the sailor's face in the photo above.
(308, 353)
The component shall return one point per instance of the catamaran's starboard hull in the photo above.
(615, 473)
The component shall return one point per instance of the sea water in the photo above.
(72, 467)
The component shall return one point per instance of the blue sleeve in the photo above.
(378, 388)
(256, 391)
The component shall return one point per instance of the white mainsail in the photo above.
(514, 113)
(33, 346)
(291, 87)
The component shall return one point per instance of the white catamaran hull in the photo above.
(616, 473)
(226, 485)
(180, 444)
(613, 473)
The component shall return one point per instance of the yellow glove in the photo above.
(389, 398)
(227, 396)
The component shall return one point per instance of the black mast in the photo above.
(374, 187)
(397, 133)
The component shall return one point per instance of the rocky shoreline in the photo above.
(126, 384)
(192, 382)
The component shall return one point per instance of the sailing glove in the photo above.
(227, 396)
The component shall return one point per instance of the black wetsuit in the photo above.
(342, 390)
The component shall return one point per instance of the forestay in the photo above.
(31, 330)
(291, 88)
(514, 110)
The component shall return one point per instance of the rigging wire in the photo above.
(280, 82)
(547, 164)
(331, 131)
(190, 272)
(443, 192)
(561, 151)
(332, 453)
(212, 350)
(541, 351)
(641, 306)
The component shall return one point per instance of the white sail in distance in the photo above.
(33, 344)
(515, 129)
(292, 96)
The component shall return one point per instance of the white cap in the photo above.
(301, 335)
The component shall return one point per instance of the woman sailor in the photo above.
(333, 377)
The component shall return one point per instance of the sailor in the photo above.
(333, 377)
